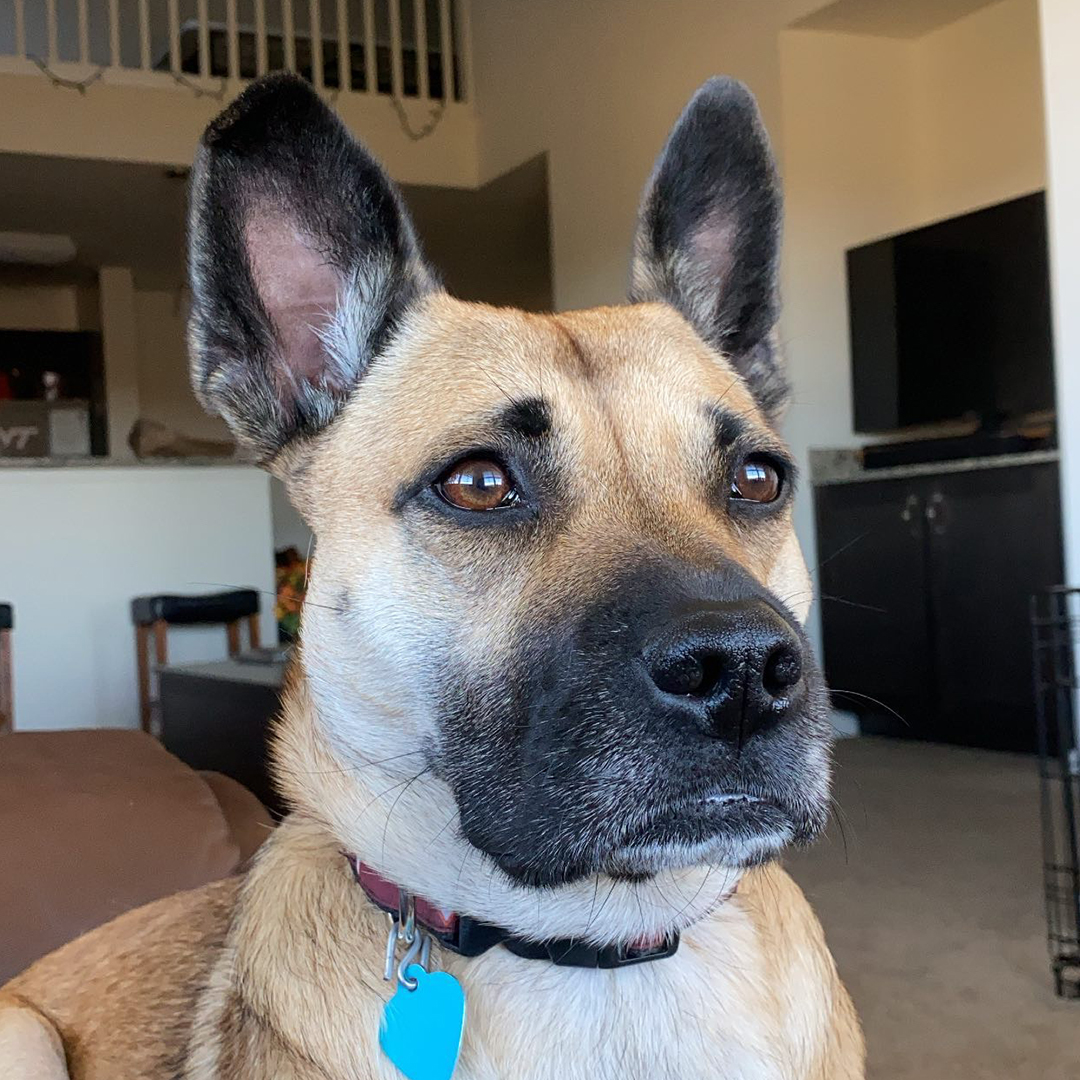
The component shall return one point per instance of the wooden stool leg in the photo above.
(142, 660)
(233, 631)
(7, 684)
(161, 642)
(253, 631)
(161, 658)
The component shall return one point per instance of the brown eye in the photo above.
(756, 480)
(477, 484)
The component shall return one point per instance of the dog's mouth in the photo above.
(733, 828)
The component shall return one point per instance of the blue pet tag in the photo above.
(422, 1028)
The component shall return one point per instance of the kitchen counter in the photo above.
(845, 466)
(84, 462)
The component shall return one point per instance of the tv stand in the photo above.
(927, 576)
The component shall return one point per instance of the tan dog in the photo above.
(554, 687)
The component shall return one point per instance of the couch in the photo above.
(95, 822)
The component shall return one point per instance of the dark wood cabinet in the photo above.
(925, 589)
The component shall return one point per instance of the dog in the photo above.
(554, 709)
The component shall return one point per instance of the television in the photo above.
(952, 321)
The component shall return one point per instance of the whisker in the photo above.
(841, 550)
(357, 768)
(836, 812)
(872, 700)
(597, 914)
(393, 806)
(854, 604)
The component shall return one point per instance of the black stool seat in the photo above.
(7, 617)
(153, 615)
(222, 607)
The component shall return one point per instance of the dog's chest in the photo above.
(697, 1014)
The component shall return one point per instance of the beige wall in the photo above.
(848, 177)
(48, 307)
(165, 393)
(978, 101)
(161, 124)
(881, 136)
(597, 85)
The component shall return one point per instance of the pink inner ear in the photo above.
(712, 244)
(298, 289)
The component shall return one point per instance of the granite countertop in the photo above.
(845, 466)
(262, 673)
(84, 462)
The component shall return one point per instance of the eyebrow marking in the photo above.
(730, 427)
(530, 417)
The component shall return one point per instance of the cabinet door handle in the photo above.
(935, 512)
(911, 504)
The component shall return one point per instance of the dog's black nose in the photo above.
(734, 667)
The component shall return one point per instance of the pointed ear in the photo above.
(302, 263)
(708, 236)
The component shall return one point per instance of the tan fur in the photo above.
(280, 976)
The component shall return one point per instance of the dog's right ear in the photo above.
(302, 262)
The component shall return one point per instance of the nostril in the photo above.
(690, 675)
(783, 669)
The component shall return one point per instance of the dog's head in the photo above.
(556, 577)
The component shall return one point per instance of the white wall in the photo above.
(1061, 80)
(79, 543)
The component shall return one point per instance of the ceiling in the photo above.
(889, 18)
(117, 213)
(490, 244)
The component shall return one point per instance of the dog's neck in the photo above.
(403, 822)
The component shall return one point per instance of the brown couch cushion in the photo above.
(248, 820)
(93, 823)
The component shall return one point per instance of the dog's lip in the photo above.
(709, 814)
(739, 828)
(721, 797)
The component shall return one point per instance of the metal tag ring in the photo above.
(420, 949)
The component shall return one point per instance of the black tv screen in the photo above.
(953, 320)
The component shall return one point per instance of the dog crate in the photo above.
(1055, 624)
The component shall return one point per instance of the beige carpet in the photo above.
(935, 914)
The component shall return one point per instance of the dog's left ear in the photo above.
(708, 236)
(302, 261)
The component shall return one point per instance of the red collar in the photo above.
(471, 937)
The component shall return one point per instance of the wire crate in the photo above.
(1055, 626)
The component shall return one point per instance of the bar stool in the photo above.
(155, 614)
(7, 682)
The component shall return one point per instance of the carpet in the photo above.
(933, 909)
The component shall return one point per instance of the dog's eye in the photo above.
(757, 480)
(477, 484)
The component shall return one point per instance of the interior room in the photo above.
(153, 578)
